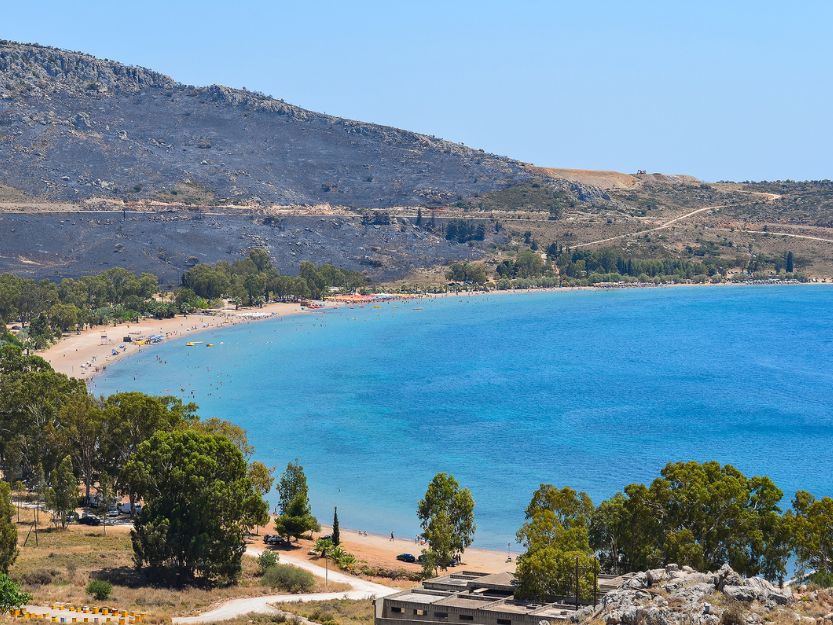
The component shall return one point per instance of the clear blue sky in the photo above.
(721, 90)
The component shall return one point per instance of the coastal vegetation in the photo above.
(702, 515)
(254, 281)
(50, 308)
(192, 476)
(446, 516)
(46, 309)
(294, 518)
(560, 266)
(198, 506)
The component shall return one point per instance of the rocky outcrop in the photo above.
(682, 596)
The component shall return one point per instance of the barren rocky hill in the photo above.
(73, 126)
(205, 173)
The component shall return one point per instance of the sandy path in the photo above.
(789, 234)
(89, 352)
(360, 590)
(769, 197)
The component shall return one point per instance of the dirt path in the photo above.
(768, 197)
(360, 590)
(789, 234)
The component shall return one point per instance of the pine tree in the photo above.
(336, 533)
(790, 262)
(419, 217)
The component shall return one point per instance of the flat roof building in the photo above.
(472, 598)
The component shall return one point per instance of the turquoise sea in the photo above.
(592, 389)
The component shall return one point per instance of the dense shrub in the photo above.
(38, 577)
(100, 589)
(289, 578)
(267, 560)
(822, 579)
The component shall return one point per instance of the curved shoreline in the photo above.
(84, 355)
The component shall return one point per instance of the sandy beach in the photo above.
(90, 351)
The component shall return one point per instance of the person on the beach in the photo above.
(391, 536)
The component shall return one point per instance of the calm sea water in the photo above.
(589, 389)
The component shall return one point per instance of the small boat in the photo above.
(192, 343)
(209, 344)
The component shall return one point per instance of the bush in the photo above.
(734, 614)
(100, 589)
(10, 595)
(38, 577)
(822, 579)
(266, 561)
(289, 578)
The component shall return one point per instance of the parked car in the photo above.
(113, 512)
(89, 519)
(406, 557)
(274, 539)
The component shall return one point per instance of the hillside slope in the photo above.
(205, 173)
(73, 127)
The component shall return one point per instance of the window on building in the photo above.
(504, 621)
(419, 612)
(440, 614)
(396, 609)
(466, 617)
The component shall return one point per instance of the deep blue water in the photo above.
(589, 389)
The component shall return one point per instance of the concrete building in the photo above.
(471, 598)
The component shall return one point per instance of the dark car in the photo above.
(89, 519)
(406, 557)
(274, 539)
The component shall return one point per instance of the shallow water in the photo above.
(592, 389)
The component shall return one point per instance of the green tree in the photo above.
(446, 516)
(131, 418)
(62, 495)
(233, 432)
(199, 503)
(11, 597)
(293, 482)
(8, 529)
(297, 518)
(811, 530)
(556, 537)
(696, 514)
(81, 418)
(336, 530)
(261, 477)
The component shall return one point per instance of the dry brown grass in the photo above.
(336, 612)
(68, 559)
